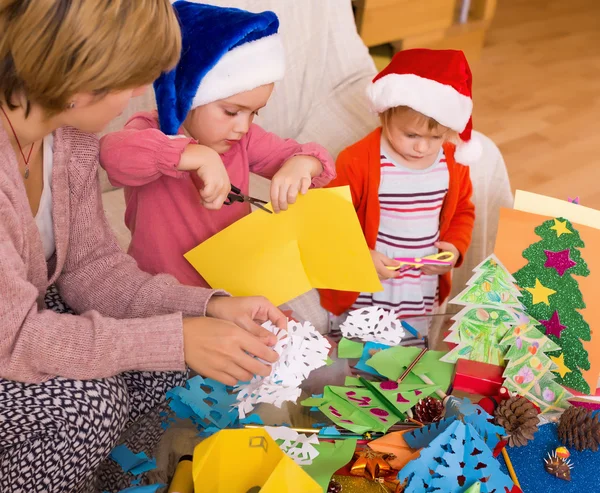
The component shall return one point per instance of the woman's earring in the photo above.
(71, 105)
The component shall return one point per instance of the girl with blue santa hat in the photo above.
(177, 164)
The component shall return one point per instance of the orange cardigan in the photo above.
(360, 167)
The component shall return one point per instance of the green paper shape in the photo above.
(529, 369)
(567, 299)
(474, 488)
(353, 382)
(350, 349)
(332, 456)
(491, 284)
(477, 330)
(392, 362)
(328, 361)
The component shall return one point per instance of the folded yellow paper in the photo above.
(317, 243)
(244, 460)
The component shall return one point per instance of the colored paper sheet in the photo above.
(332, 456)
(392, 362)
(368, 351)
(317, 243)
(130, 462)
(264, 465)
(353, 382)
(350, 349)
(151, 488)
(395, 444)
(516, 233)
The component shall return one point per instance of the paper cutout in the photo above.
(395, 444)
(491, 284)
(282, 256)
(560, 294)
(477, 417)
(454, 459)
(516, 233)
(561, 261)
(374, 324)
(561, 368)
(262, 466)
(206, 402)
(392, 362)
(561, 228)
(151, 488)
(301, 349)
(332, 456)
(370, 349)
(349, 349)
(358, 409)
(477, 332)
(130, 462)
(529, 369)
(352, 382)
(297, 446)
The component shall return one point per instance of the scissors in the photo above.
(236, 195)
(442, 258)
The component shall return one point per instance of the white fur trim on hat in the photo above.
(469, 152)
(243, 68)
(439, 101)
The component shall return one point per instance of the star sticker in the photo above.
(561, 228)
(574, 200)
(553, 325)
(540, 293)
(561, 261)
(562, 369)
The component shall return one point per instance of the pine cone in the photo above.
(561, 468)
(519, 418)
(429, 410)
(579, 429)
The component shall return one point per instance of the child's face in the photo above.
(220, 124)
(410, 137)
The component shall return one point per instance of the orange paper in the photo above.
(516, 233)
(394, 443)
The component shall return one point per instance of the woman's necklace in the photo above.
(26, 161)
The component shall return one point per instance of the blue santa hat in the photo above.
(225, 51)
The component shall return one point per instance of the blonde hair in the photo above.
(53, 49)
(408, 114)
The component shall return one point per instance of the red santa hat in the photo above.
(436, 83)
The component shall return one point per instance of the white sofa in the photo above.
(322, 99)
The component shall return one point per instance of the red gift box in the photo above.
(478, 378)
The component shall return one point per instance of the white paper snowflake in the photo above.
(301, 350)
(373, 324)
(297, 446)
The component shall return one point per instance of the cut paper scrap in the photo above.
(516, 232)
(374, 324)
(455, 458)
(206, 402)
(395, 444)
(282, 256)
(297, 446)
(301, 349)
(552, 295)
(332, 456)
(530, 372)
(584, 476)
(247, 460)
(476, 331)
(370, 349)
(130, 462)
(392, 362)
(349, 349)
(359, 409)
(150, 488)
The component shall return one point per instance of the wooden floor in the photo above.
(537, 95)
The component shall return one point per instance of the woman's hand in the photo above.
(438, 270)
(221, 350)
(293, 177)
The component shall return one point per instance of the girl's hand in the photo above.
(292, 178)
(209, 167)
(380, 261)
(221, 350)
(437, 270)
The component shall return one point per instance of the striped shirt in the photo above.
(411, 201)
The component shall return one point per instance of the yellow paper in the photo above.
(239, 460)
(317, 243)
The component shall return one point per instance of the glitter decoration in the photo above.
(561, 261)
(553, 326)
(561, 308)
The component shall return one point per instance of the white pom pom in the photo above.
(469, 152)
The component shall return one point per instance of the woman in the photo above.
(71, 384)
